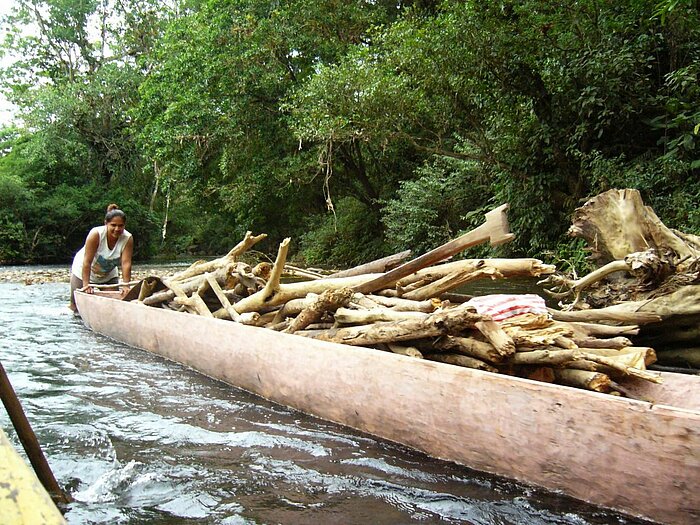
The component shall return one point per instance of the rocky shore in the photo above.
(32, 275)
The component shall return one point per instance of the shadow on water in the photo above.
(137, 439)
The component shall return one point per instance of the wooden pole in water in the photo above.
(29, 441)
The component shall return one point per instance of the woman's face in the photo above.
(115, 227)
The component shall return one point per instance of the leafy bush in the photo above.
(351, 236)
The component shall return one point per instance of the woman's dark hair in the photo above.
(114, 211)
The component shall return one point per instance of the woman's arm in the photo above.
(126, 261)
(91, 244)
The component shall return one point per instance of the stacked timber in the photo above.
(411, 308)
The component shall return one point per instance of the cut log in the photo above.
(503, 268)
(465, 345)
(610, 314)
(584, 379)
(434, 325)
(249, 240)
(494, 229)
(497, 336)
(328, 301)
(350, 316)
(378, 266)
(462, 360)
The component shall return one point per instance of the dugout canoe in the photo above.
(640, 458)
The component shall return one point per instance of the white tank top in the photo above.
(104, 265)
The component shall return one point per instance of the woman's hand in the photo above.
(123, 290)
(87, 289)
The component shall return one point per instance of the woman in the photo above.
(106, 248)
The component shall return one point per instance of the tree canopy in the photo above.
(358, 128)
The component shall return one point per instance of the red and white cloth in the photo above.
(503, 306)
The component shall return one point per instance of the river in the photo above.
(136, 439)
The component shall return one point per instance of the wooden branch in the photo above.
(350, 316)
(602, 330)
(466, 345)
(495, 230)
(552, 357)
(584, 379)
(186, 287)
(288, 291)
(450, 321)
(498, 337)
(627, 370)
(409, 351)
(585, 282)
(447, 283)
(294, 271)
(328, 301)
(405, 305)
(609, 314)
(199, 268)
(503, 268)
(462, 360)
(378, 266)
(593, 342)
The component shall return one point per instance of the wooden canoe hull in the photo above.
(633, 456)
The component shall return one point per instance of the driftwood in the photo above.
(416, 314)
(584, 379)
(351, 316)
(328, 301)
(378, 266)
(494, 229)
(249, 240)
(598, 221)
(433, 325)
(469, 346)
(462, 360)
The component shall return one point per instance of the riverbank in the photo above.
(30, 275)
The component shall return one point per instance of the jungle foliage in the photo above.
(356, 128)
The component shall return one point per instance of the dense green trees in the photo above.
(356, 128)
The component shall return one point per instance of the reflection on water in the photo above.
(136, 439)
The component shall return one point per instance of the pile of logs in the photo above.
(411, 308)
(643, 266)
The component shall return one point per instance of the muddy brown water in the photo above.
(136, 439)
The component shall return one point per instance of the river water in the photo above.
(136, 439)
